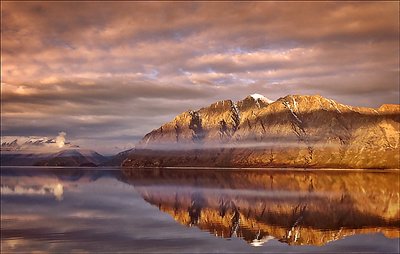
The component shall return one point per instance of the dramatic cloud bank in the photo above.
(108, 72)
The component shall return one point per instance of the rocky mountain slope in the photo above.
(293, 131)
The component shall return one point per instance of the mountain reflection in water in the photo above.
(295, 207)
(59, 210)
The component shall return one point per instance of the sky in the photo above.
(107, 73)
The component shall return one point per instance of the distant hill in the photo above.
(21, 159)
(116, 160)
(67, 157)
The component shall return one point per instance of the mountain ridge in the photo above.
(293, 131)
(34, 144)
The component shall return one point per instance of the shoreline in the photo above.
(269, 169)
(370, 170)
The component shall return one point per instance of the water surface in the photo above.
(172, 210)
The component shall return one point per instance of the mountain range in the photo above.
(34, 144)
(44, 151)
(307, 131)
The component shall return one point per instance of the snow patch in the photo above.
(235, 109)
(287, 104)
(77, 152)
(294, 103)
(257, 96)
(333, 103)
(35, 144)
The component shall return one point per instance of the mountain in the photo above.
(67, 157)
(33, 144)
(10, 146)
(44, 151)
(307, 131)
(73, 157)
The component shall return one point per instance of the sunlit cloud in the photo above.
(60, 139)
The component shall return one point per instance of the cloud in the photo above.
(55, 189)
(60, 139)
(123, 68)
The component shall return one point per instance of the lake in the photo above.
(197, 210)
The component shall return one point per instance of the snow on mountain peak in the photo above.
(257, 96)
(34, 144)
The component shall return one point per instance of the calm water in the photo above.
(109, 210)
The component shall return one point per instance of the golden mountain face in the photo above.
(296, 207)
(294, 131)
